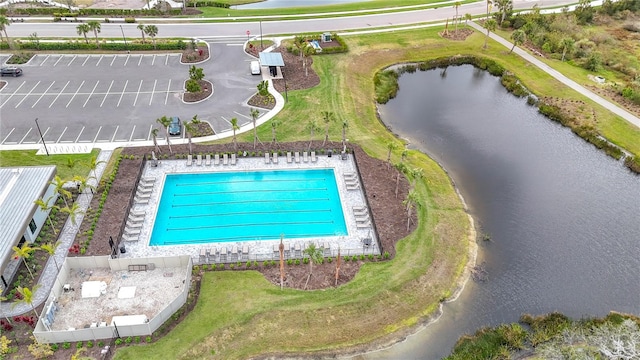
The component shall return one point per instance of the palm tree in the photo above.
(24, 253)
(60, 190)
(401, 167)
(190, 127)
(95, 27)
(152, 31)
(416, 173)
(328, 118)
(73, 211)
(410, 202)
(141, 28)
(4, 23)
(83, 29)
(93, 165)
(51, 250)
(390, 147)
(505, 7)
(518, 37)
(234, 127)
(154, 135)
(254, 116)
(27, 297)
(83, 184)
(456, 5)
(299, 41)
(307, 51)
(338, 266)
(4, 298)
(44, 206)
(567, 45)
(490, 25)
(467, 18)
(274, 125)
(165, 122)
(312, 126)
(315, 256)
(345, 125)
(281, 250)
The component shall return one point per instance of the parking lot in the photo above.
(118, 97)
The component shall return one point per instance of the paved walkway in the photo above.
(563, 79)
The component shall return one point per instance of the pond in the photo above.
(562, 217)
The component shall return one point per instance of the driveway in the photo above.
(118, 97)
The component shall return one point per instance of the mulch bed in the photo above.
(459, 35)
(206, 87)
(191, 56)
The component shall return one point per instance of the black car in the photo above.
(10, 71)
(176, 126)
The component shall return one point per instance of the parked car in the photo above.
(176, 126)
(10, 71)
(255, 68)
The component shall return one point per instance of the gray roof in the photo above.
(19, 188)
(271, 59)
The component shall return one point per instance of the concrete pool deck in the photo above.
(351, 244)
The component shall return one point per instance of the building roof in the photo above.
(19, 188)
(271, 59)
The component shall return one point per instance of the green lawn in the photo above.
(67, 165)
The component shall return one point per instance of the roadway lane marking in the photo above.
(6, 137)
(12, 94)
(43, 135)
(153, 91)
(107, 94)
(63, 131)
(60, 93)
(139, 61)
(132, 131)
(166, 60)
(123, 91)
(154, 59)
(94, 89)
(58, 61)
(168, 88)
(45, 60)
(98, 133)
(73, 58)
(26, 96)
(85, 60)
(81, 130)
(25, 135)
(138, 93)
(126, 61)
(98, 63)
(43, 94)
(114, 59)
(74, 95)
(234, 44)
(115, 133)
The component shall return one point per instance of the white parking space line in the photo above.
(132, 131)
(122, 93)
(114, 59)
(98, 133)
(56, 63)
(43, 135)
(25, 135)
(126, 61)
(150, 130)
(139, 61)
(63, 131)
(26, 96)
(6, 137)
(81, 130)
(153, 91)
(94, 89)
(76, 93)
(73, 58)
(43, 94)
(85, 60)
(107, 94)
(12, 94)
(115, 133)
(98, 63)
(153, 60)
(244, 116)
(166, 60)
(45, 60)
(138, 93)
(168, 88)
(60, 93)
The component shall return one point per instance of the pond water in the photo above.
(272, 4)
(563, 218)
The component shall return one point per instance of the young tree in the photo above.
(28, 297)
(345, 125)
(152, 31)
(190, 127)
(24, 253)
(490, 25)
(410, 202)
(193, 86)
(315, 256)
(196, 73)
(51, 250)
(165, 122)
(467, 18)
(141, 28)
(328, 118)
(518, 37)
(234, 127)
(456, 5)
(401, 167)
(299, 42)
(4, 23)
(390, 147)
(154, 136)
(83, 184)
(254, 116)
(312, 126)
(338, 266)
(45, 206)
(281, 250)
(416, 173)
(567, 46)
(73, 211)
(307, 51)
(505, 7)
(274, 125)
(93, 165)
(60, 190)
(83, 29)
(95, 27)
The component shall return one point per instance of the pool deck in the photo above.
(351, 197)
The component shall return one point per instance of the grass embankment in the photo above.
(240, 315)
(68, 165)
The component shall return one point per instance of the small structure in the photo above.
(326, 37)
(274, 62)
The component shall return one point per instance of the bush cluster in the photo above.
(88, 12)
(209, 4)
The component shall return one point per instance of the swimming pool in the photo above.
(248, 206)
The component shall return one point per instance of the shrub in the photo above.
(305, 260)
(148, 339)
(136, 339)
(232, 266)
(192, 86)
(329, 260)
(128, 340)
(387, 255)
(100, 343)
(66, 345)
(89, 344)
(297, 261)
(79, 345)
(220, 266)
(119, 341)
(130, 20)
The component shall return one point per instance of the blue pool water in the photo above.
(248, 206)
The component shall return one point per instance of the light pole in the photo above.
(261, 48)
(125, 39)
(42, 137)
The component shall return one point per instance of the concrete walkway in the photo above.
(563, 79)
(66, 238)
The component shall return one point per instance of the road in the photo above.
(238, 28)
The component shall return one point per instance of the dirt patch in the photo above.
(264, 102)
(458, 35)
(191, 56)
(200, 95)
